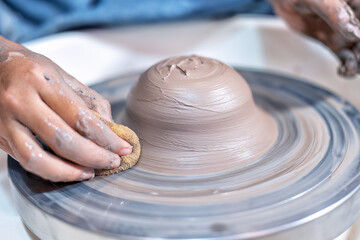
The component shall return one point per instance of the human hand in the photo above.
(334, 22)
(38, 97)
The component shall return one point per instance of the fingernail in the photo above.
(125, 144)
(125, 151)
(88, 173)
(115, 162)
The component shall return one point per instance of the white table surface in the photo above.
(247, 41)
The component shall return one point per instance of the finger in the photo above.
(63, 140)
(91, 98)
(4, 144)
(62, 99)
(27, 151)
(355, 6)
(340, 17)
(4, 130)
(349, 63)
(356, 51)
(97, 102)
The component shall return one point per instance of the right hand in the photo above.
(38, 97)
(333, 22)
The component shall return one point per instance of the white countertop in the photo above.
(247, 41)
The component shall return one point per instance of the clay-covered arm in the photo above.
(333, 22)
(38, 98)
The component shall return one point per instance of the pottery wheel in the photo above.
(306, 185)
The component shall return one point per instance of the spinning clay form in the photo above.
(273, 157)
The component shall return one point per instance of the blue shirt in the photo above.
(23, 20)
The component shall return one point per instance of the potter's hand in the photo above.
(332, 22)
(36, 96)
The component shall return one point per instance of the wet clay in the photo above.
(335, 23)
(312, 167)
(128, 135)
(196, 115)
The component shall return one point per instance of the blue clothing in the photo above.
(23, 20)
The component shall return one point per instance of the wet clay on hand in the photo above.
(127, 161)
(334, 22)
(38, 98)
(196, 115)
